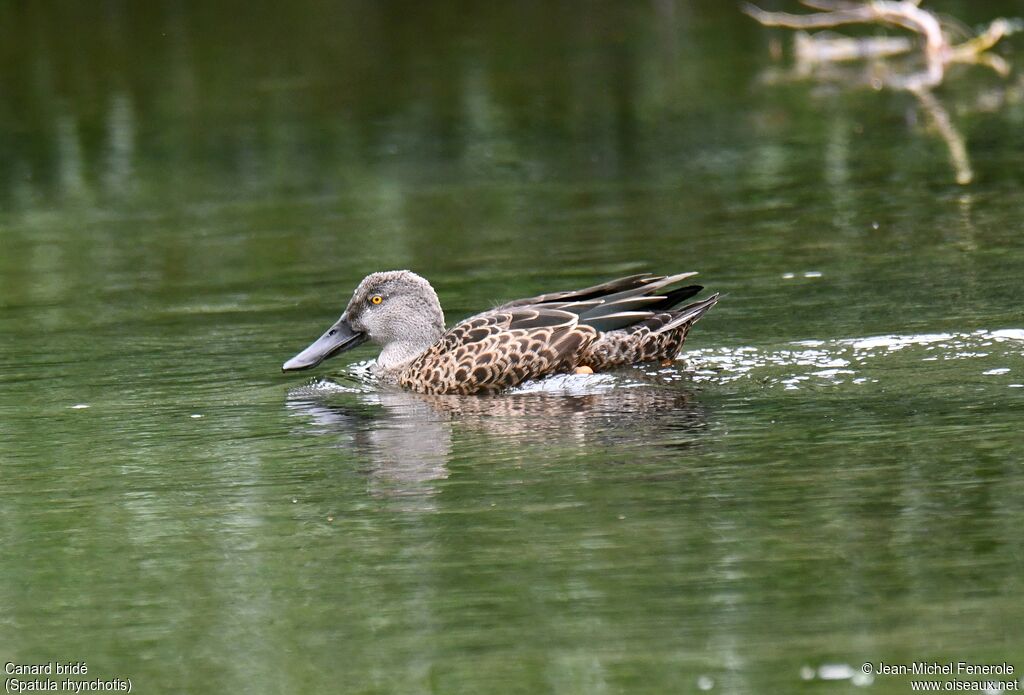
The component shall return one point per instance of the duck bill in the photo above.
(338, 338)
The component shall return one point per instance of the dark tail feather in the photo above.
(676, 297)
(613, 322)
(612, 287)
(690, 314)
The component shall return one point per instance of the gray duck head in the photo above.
(397, 310)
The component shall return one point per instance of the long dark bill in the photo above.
(338, 338)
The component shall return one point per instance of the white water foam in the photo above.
(804, 363)
(791, 366)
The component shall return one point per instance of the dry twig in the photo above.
(939, 51)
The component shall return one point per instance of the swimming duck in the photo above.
(621, 322)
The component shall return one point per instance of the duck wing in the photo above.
(616, 304)
(500, 349)
(604, 289)
(640, 318)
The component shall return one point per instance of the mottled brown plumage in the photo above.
(621, 322)
(499, 349)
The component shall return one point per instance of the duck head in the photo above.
(397, 310)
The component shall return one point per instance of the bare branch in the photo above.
(806, 21)
(831, 5)
(901, 13)
(818, 55)
(985, 40)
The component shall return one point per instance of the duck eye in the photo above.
(376, 299)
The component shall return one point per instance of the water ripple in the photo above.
(858, 361)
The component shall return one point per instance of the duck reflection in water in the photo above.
(407, 438)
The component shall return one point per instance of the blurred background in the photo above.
(188, 194)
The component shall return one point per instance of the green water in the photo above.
(190, 191)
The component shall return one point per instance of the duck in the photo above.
(630, 320)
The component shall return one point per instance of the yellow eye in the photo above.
(376, 299)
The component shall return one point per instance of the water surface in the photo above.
(830, 475)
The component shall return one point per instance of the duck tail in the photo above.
(689, 314)
(663, 338)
